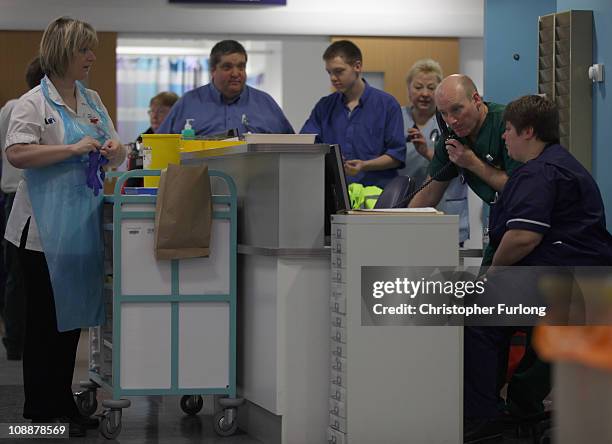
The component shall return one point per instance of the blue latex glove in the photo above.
(95, 171)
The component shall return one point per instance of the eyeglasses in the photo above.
(158, 111)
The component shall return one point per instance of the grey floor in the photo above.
(150, 419)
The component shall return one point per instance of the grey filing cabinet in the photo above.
(391, 384)
(565, 52)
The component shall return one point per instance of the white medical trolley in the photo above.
(171, 324)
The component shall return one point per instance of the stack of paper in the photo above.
(424, 211)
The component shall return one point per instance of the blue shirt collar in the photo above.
(366, 92)
(218, 97)
(364, 96)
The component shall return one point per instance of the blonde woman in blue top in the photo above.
(60, 133)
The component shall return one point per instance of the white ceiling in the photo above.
(452, 18)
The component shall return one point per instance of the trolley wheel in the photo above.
(222, 426)
(191, 404)
(86, 402)
(107, 429)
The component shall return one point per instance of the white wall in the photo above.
(471, 64)
(455, 18)
(304, 78)
(471, 61)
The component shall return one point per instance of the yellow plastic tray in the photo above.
(188, 146)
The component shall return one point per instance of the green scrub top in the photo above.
(489, 141)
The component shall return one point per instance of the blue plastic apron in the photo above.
(69, 220)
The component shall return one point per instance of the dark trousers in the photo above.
(2, 258)
(48, 355)
(530, 384)
(485, 365)
(14, 292)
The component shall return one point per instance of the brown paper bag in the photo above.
(183, 213)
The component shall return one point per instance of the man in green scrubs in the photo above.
(477, 151)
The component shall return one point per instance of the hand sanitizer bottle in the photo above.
(188, 131)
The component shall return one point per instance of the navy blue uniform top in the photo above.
(253, 110)
(556, 196)
(374, 127)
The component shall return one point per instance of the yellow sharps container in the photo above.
(159, 151)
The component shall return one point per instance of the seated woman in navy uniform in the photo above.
(550, 213)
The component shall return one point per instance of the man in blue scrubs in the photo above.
(227, 102)
(364, 121)
(550, 213)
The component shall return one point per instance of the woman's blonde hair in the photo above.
(424, 66)
(61, 41)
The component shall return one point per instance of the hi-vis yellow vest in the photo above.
(363, 197)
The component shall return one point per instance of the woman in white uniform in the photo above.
(60, 133)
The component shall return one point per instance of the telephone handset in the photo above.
(446, 133)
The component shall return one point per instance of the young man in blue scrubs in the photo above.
(364, 121)
(227, 102)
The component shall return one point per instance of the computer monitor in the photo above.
(336, 189)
